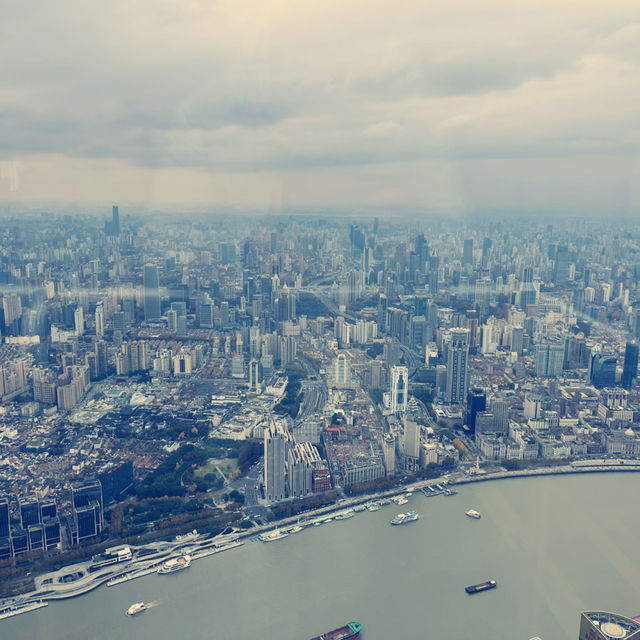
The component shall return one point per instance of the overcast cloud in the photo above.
(448, 106)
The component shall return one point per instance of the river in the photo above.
(556, 545)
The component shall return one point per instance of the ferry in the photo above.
(175, 564)
(136, 608)
(483, 586)
(350, 631)
(276, 534)
(17, 609)
(404, 518)
(472, 513)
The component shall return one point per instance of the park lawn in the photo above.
(227, 465)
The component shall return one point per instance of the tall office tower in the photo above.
(79, 321)
(603, 625)
(99, 321)
(630, 368)
(341, 370)
(29, 512)
(411, 445)
(151, 282)
(486, 250)
(472, 322)
(88, 509)
(115, 221)
(5, 530)
(399, 389)
(389, 451)
(602, 370)
(457, 366)
(255, 375)
(549, 358)
(467, 252)
(476, 402)
(561, 270)
(527, 290)
(101, 358)
(277, 442)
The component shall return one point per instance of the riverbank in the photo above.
(51, 587)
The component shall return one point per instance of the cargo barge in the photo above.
(350, 631)
(483, 586)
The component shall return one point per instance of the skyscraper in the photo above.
(99, 321)
(115, 222)
(630, 368)
(467, 252)
(277, 442)
(476, 402)
(399, 389)
(457, 369)
(561, 271)
(4, 518)
(151, 284)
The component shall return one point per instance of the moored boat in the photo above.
(175, 564)
(350, 631)
(276, 534)
(404, 518)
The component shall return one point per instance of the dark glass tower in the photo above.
(630, 368)
(476, 402)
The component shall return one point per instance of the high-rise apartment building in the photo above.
(277, 442)
(457, 366)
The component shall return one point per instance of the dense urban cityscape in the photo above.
(160, 375)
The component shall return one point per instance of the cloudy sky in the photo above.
(440, 105)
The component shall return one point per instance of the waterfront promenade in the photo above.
(50, 586)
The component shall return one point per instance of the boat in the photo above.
(295, 529)
(384, 503)
(344, 515)
(17, 609)
(350, 631)
(450, 492)
(483, 586)
(359, 507)
(136, 608)
(472, 513)
(404, 518)
(374, 506)
(276, 534)
(175, 564)
(402, 501)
